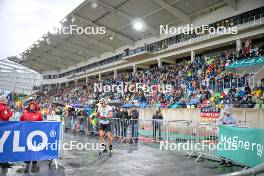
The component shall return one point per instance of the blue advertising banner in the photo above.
(29, 141)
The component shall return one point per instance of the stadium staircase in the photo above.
(259, 75)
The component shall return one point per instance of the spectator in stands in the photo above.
(133, 117)
(247, 89)
(71, 117)
(81, 122)
(116, 123)
(124, 122)
(5, 111)
(157, 118)
(226, 118)
(5, 114)
(232, 91)
(192, 81)
(32, 113)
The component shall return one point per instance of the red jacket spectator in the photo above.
(246, 50)
(5, 111)
(31, 113)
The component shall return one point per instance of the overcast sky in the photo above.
(22, 22)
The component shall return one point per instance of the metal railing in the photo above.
(220, 84)
(178, 132)
(259, 75)
(251, 171)
(246, 23)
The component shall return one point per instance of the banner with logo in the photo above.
(209, 113)
(29, 141)
(247, 62)
(54, 118)
(243, 145)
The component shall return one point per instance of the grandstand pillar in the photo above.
(159, 62)
(99, 76)
(67, 84)
(115, 74)
(238, 44)
(86, 79)
(75, 82)
(192, 55)
(49, 87)
(59, 86)
(134, 68)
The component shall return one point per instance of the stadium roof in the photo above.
(53, 52)
(9, 66)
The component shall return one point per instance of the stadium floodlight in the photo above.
(111, 37)
(32, 46)
(37, 45)
(94, 5)
(24, 58)
(45, 35)
(64, 20)
(56, 28)
(19, 57)
(47, 40)
(138, 25)
(73, 19)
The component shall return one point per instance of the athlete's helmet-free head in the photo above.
(3, 99)
(103, 101)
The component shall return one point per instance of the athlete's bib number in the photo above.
(104, 112)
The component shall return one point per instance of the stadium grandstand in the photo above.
(68, 59)
(18, 78)
(186, 69)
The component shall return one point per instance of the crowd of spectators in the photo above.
(203, 81)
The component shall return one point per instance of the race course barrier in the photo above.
(247, 142)
(29, 141)
(240, 145)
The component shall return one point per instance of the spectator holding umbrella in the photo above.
(5, 114)
(32, 113)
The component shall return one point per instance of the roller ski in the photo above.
(110, 151)
(106, 152)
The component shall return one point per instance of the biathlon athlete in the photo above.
(105, 114)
